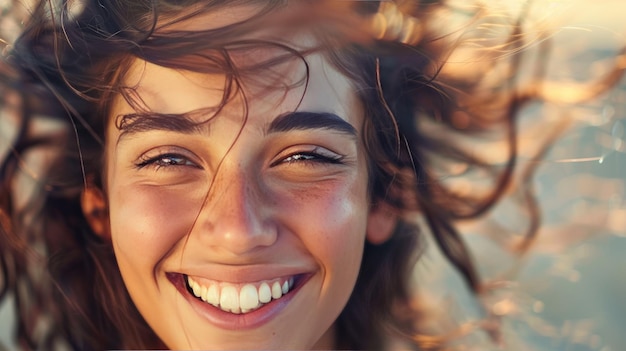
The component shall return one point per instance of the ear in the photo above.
(96, 211)
(381, 222)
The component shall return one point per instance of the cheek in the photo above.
(331, 226)
(331, 222)
(345, 237)
(150, 220)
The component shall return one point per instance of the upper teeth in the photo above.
(240, 299)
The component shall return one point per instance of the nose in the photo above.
(233, 217)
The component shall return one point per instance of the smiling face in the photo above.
(238, 233)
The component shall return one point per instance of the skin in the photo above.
(236, 202)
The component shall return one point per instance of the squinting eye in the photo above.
(300, 157)
(167, 160)
(310, 157)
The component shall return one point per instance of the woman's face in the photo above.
(236, 234)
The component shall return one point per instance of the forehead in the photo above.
(307, 84)
(276, 71)
(296, 83)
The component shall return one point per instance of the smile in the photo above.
(240, 298)
(242, 305)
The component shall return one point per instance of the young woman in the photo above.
(236, 174)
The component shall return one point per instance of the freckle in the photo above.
(312, 193)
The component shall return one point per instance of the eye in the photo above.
(317, 155)
(166, 160)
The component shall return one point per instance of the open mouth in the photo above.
(242, 298)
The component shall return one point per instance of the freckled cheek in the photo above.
(331, 222)
(150, 220)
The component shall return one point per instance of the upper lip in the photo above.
(241, 274)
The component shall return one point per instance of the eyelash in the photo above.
(179, 160)
(309, 157)
(157, 161)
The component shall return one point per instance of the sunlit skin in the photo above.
(239, 203)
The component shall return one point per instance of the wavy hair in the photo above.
(68, 64)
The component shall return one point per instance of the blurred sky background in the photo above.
(565, 293)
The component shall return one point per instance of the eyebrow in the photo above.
(310, 120)
(183, 123)
(145, 122)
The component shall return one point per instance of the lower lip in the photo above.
(231, 321)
